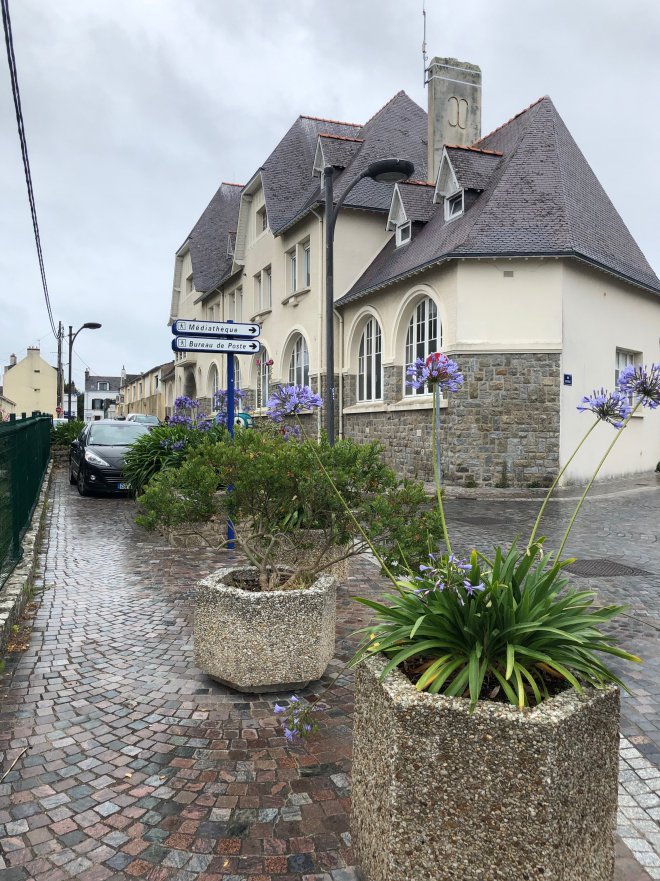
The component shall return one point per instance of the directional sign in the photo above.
(214, 344)
(186, 327)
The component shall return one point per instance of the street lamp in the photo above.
(89, 325)
(382, 171)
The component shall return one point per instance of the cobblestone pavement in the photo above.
(138, 766)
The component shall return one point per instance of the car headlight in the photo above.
(93, 459)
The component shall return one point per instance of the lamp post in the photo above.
(89, 325)
(383, 171)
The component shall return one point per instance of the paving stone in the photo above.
(108, 688)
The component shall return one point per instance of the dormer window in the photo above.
(403, 234)
(262, 221)
(454, 205)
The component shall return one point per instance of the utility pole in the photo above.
(60, 374)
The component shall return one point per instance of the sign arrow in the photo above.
(193, 327)
(214, 344)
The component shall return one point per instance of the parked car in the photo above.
(58, 420)
(143, 419)
(96, 457)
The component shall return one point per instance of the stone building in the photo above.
(146, 392)
(503, 251)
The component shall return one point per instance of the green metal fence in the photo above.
(24, 454)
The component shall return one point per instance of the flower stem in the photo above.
(436, 462)
(364, 535)
(595, 474)
(556, 481)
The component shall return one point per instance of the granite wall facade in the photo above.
(502, 428)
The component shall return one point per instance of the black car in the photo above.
(96, 458)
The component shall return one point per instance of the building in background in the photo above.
(146, 392)
(504, 252)
(101, 397)
(31, 383)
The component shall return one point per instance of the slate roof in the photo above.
(541, 198)
(339, 150)
(473, 168)
(417, 198)
(208, 238)
(113, 381)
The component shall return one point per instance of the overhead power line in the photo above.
(11, 60)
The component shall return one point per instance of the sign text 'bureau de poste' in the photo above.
(214, 344)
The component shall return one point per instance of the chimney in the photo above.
(12, 360)
(454, 107)
(86, 375)
(123, 374)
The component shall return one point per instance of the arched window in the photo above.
(424, 336)
(299, 363)
(213, 383)
(263, 379)
(237, 373)
(370, 363)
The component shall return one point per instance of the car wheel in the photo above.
(82, 486)
(72, 479)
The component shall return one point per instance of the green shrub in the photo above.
(178, 495)
(64, 434)
(165, 446)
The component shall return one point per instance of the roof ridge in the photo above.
(226, 183)
(386, 104)
(474, 149)
(504, 124)
(417, 183)
(334, 121)
(340, 137)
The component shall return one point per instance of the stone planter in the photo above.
(263, 640)
(498, 794)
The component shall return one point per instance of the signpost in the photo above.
(233, 338)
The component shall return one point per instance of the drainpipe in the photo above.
(340, 371)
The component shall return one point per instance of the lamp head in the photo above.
(92, 325)
(390, 171)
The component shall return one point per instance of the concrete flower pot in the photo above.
(440, 794)
(263, 640)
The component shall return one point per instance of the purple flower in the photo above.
(277, 709)
(290, 400)
(290, 432)
(294, 699)
(471, 588)
(289, 734)
(178, 445)
(179, 419)
(612, 407)
(185, 403)
(436, 369)
(642, 382)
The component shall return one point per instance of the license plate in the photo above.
(122, 486)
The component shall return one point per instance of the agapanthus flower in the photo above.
(185, 403)
(643, 383)
(179, 419)
(612, 407)
(178, 445)
(290, 432)
(436, 369)
(446, 572)
(290, 400)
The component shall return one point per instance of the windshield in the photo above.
(119, 435)
(151, 420)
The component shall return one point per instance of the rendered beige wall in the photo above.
(32, 384)
(602, 314)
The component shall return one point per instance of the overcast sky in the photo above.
(136, 110)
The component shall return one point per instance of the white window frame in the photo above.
(454, 205)
(307, 264)
(213, 387)
(190, 285)
(261, 220)
(299, 362)
(423, 337)
(267, 287)
(292, 270)
(102, 386)
(263, 380)
(370, 363)
(258, 292)
(626, 358)
(403, 233)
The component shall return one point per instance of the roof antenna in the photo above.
(424, 55)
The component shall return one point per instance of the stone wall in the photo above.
(502, 428)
